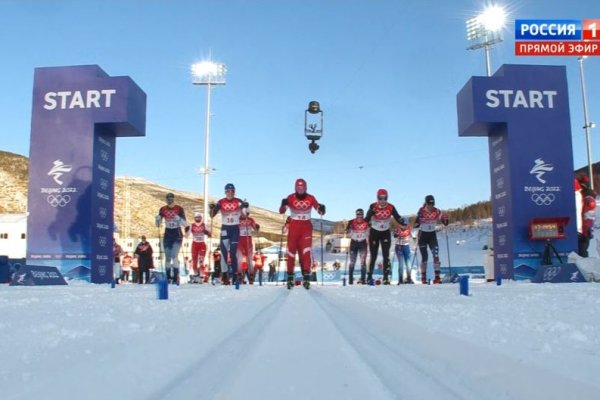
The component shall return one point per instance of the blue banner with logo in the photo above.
(560, 273)
(34, 275)
(524, 112)
(77, 113)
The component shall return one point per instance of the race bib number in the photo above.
(381, 225)
(172, 223)
(231, 219)
(359, 236)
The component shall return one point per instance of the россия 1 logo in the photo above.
(557, 37)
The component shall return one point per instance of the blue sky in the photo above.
(386, 73)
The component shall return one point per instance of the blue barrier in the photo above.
(37, 275)
(561, 273)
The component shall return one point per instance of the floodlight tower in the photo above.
(588, 125)
(207, 73)
(485, 31)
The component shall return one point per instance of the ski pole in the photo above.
(346, 266)
(448, 249)
(163, 268)
(279, 254)
(209, 251)
(322, 280)
(260, 271)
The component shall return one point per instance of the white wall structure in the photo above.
(13, 237)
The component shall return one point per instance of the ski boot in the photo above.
(370, 280)
(362, 279)
(290, 281)
(225, 278)
(350, 280)
(437, 280)
(306, 281)
(401, 280)
(386, 276)
(409, 280)
(424, 273)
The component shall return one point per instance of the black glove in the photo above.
(284, 202)
(245, 204)
(212, 206)
(321, 209)
(257, 227)
(395, 234)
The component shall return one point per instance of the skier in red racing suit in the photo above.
(299, 238)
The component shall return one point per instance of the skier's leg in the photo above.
(306, 256)
(399, 257)
(385, 251)
(424, 255)
(373, 249)
(406, 258)
(362, 250)
(353, 254)
(175, 250)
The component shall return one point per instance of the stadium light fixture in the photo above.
(313, 125)
(588, 125)
(484, 30)
(207, 73)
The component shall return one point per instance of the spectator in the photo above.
(145, 261)
(117, 253)
(126, 267)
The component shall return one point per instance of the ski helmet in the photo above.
(229, 187)
(382, 194)
(429, 199)
(404, 220)
(300, 186)
(197, 214)
(170, 195)
(360, 212)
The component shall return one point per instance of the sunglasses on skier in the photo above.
(382, 198)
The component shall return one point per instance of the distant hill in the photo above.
(136, 197)
(141, 199)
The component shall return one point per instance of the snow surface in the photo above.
(515, 341)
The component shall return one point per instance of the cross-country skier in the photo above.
(246, 247)
(299, 237)
(174, 217)
(403, 235)
(231, 209)
(380, 216)
(198, 231)
(358, 229)
(586, 214)
(428, 217)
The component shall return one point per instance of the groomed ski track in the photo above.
(375, 355)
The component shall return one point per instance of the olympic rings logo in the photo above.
(550, 273)
(58, 200)
(103, 212)
(103, 184)
(543, 199)
(229, 206)
(104, 155)
(301, 204)
(383, 214)
(329, 275)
